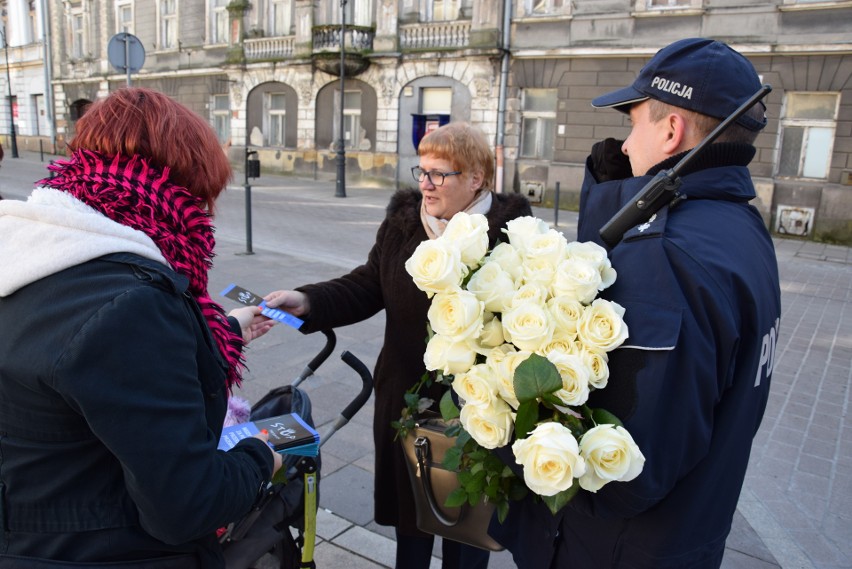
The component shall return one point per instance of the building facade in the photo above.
(267, 74)
(27, 105)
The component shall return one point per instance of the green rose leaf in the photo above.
(526, 418)
(601, 416)
(448, 407)
(452, 458)
(535, 377)
(552, 399)
(502, 511)
(558, 501)
(411, 400)
(456, 498)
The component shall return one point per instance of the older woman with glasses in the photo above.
(455, 173)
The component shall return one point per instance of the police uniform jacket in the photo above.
(383, 283)
(700, 286)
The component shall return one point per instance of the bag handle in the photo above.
(421, 450)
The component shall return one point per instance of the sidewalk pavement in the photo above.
(794, 511)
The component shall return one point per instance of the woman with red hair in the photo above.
(115, 363)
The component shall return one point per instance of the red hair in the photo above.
(134, 120)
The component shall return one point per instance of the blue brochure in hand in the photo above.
(249, 298)
(288, 434)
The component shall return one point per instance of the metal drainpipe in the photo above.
(48, 74)
(501, 104)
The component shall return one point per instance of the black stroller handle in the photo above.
(330, 343)
(366, 384)
(356, 404)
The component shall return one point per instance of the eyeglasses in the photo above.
(435, 178)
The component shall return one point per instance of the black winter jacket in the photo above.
(383, 283)
(112, 398)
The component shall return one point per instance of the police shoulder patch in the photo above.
(651, 228)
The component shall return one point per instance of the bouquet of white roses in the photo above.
(521, 336)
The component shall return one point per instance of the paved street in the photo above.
(795, 508)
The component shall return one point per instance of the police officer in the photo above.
(699, 282)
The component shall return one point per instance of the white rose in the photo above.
(602, 327)
(491, 335)
(435, 266)
(447, 356)
(611, 455)
(596, 255)
(561, 345)
(575, 378)
(521, 229)
(490, 425)
(457, 315)
(538, 271)
(503, 365)
(475, 386)
(550, 246)
(469, 234)
(508, 258)
(551, 459)
(528, 326)
(566, 313)
(596, 363)
(587, 251)
(577, 279)
(528, 293)
(493, 286)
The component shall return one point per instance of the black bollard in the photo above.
(251, 169)
(556, 207)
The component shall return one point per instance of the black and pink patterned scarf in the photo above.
(133, 193)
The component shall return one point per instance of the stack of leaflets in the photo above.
(288, 434)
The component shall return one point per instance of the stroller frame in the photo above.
(266, 529)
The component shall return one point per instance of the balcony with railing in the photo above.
(259, 49)
(358, 42)
(327, 38)
(453, 34)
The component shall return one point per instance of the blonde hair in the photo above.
(464, 146)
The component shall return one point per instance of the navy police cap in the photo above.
(697, 74)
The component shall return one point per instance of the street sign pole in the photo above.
(125, 53)
(127, 58)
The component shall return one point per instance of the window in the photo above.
(124, 16)
(280, 18)
(32, 26)
(669, 3)
(276, 113)
(358, 12)
(222, 117)
(168, 24)
(77, 33)
(544, 7)
(538, 123)
(352, 131)
(218, 22)
(41, 115)
(661, 6)
(807, 134)
(442, 10)
(436, 100)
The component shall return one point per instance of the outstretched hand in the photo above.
(252, 324)
(292, 301)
